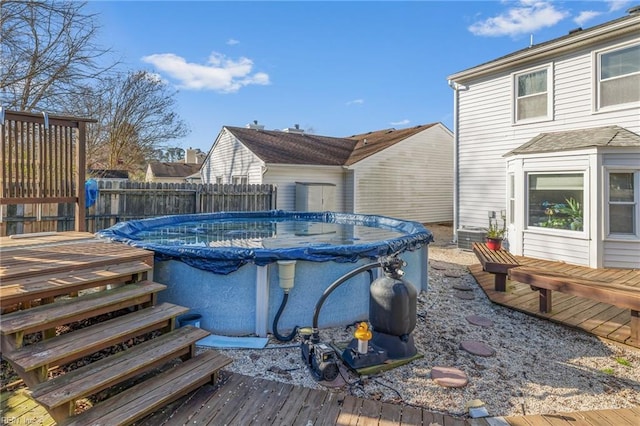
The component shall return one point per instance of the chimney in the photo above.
(255, 125)
(295, 129)
(190, 156)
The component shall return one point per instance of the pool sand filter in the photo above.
(392, 316)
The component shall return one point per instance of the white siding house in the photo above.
(405, 173)
(549, 127)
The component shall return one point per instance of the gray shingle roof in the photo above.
(599, 137)
(167, 170)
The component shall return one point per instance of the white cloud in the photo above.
(617, 4)
(585, 16)
(219, 74)
(527, 17)
(232, 42)
(356, 102)
(400, 123)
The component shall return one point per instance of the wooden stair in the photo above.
(39, 289)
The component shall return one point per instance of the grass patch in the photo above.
(608, 371)
(623, 361)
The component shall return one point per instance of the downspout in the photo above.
(456, 146)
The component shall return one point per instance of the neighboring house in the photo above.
(549, 135)
(108, 175)
(171, 172)
(405, 173)
(177, 172)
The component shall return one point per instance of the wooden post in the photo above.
(81, 164)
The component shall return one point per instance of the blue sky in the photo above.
(335, 68)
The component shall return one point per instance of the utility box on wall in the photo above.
(468, 236)
(315, 197)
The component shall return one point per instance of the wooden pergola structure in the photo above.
(43, 160)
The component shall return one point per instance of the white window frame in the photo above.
(596, 79)
(240, 179)
(514, 94)
(558, 231)
(636, 202)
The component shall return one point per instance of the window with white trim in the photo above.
(618, 76)
(240, 180)
(512, 198)
(556, 200)
(623, 197)
(533, 95)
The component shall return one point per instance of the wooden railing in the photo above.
(43, 160)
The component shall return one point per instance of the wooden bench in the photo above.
(497, 262)
(613, 293)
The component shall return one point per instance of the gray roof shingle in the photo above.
(608, 136)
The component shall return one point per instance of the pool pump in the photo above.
(392, 316)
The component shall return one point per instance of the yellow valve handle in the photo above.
(362, 332)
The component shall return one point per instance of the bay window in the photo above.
(556, 200)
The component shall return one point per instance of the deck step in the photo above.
(99, 375)
(69, 310)
(25, 289)
(146, 397)
(68, 347)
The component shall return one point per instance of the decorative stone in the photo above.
(476, 348)
(480, 321)
(449, 377)
(438, 266)
(464, 295)
(452, 273)
(462, 287)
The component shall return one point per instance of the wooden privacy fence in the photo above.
(123, 200)
(43, 161)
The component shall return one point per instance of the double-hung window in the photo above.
(533, 95)
(623, 197)
(618, 74)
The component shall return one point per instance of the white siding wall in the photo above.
(286, 176)
(230, 158)
(486, 131)
(411, 180)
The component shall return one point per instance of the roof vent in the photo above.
(575, 30)
(255, 125)
(295, 129)
(633, 10)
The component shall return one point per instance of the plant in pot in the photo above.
(495, 233)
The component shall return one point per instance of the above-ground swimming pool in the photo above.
(226, 266)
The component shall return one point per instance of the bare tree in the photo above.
(136, 118)
(47, 53)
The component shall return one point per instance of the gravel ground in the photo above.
(538, 368)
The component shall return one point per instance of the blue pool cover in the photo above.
(224, 260)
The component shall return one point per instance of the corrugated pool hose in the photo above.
(286, 274)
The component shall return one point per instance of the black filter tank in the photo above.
(392, 314)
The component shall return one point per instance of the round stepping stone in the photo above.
(478, 320)
(449, 377)
(464, 295)
(452, 274)
(438, 266)
(462, 287)
(476, 348)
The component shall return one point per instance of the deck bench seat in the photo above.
(497, 262)
(613, 293)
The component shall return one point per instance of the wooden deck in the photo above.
(600, 319)
(243, 400)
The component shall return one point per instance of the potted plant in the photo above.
(495, 233)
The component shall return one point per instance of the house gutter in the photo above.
(456, 149)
